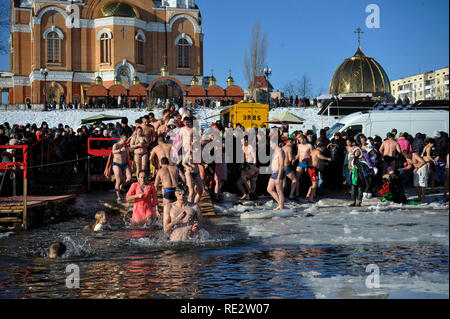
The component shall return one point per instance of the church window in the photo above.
(140, 44)
(183, 53)
(53, 48)
(105, 48)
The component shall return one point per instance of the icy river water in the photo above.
(314, 251)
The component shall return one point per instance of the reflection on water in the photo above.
(139, 263)
(211, 273)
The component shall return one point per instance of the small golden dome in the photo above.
(194, 81)
(98, 80)
(136, 81)
(230, 81)
(119, 9)
(212, 81)
(165, 70)
(116, 80)
(360, 74)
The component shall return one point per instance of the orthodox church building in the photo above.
(157, 45)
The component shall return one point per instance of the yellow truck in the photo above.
(249, 115)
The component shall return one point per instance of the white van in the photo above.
(382, 122)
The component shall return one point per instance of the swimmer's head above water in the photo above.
(57, 250)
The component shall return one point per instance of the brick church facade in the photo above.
(121, 42)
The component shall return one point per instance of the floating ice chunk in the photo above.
(347, 230)
(241, 208)
(3, 235)
(269, 203)
(265, 214)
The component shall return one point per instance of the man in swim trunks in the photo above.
(193, 180)
(168, 176)
(121, 167)
(304, 150)
(390, 149)
(159, 152)
(288, 171)
(275, 186)
(182, 220)
(420, 173)
(313, 171)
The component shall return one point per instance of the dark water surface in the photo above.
(128, 263)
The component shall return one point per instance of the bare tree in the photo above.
(255, 60)
(305, 86)
(290, 88)
(4, 26)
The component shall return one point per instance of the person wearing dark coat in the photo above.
(419, 143)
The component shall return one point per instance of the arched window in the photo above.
(105, 48)
(53, 48)
(140, 43)
(183, 53)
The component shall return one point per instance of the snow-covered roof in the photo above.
(26, 3)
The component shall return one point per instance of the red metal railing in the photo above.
(24, 155)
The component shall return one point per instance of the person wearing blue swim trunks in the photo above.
(304, 150)
(120, 166)
(168, 175)
(288, 171)
(275, 186)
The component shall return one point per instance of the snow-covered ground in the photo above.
(73, 117)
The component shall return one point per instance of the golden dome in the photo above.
(165, 70)
(98, 80)
(212, 81)
(360, 74)
(194, 81)
(119, 9)
(230, 81)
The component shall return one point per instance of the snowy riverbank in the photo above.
(73, 117)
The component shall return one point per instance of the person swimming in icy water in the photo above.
(183, 220)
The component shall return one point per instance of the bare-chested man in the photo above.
(193, 180)
(149, 131)
(390, 149)
(275, 186)
(168, 175)
(304, 150)
(165, 117)
(121, 166)
(159, 152)
(313, 171)
(288, 162)
(420, 173)
(249, 152)
(182, 220)
(247, 182)
(186, 133)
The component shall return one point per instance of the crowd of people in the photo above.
(302, 164)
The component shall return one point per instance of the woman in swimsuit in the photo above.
(140, 144)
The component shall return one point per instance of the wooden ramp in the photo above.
(206, 206)
(12, 208)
